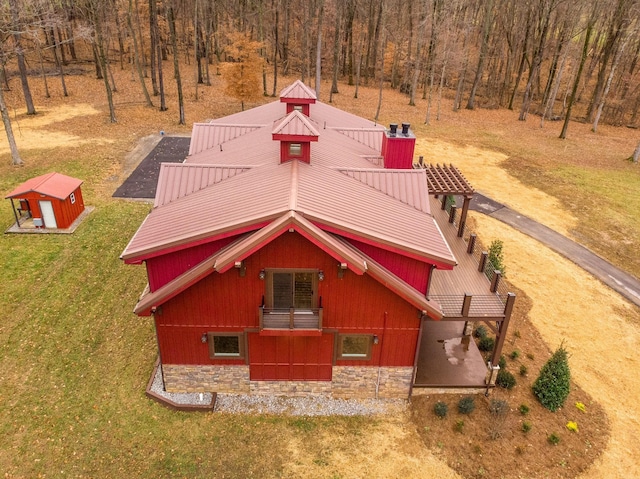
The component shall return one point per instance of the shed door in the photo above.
(47, 214)
(290, 358)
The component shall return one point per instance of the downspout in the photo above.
(384, 329)
(423, 317)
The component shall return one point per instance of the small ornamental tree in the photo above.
(243, 68)
(496, 256)
(553, 384)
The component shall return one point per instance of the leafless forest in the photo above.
(555, 59)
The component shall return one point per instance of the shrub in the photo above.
(498, 409)
(524, 409)
(480, 332)
(523, 370)
(530, 356)
(486, 343)
(459, 427)
(505, 379)
(496, 256)
(581, 407)
(441, 409)
(466, 405)
(515, 354)
(553, 384)
(526, 426)
(502, 362)
(553, 438)
(572, 426)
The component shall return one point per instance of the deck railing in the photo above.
(298, 319)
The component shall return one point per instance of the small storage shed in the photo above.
(49, 201)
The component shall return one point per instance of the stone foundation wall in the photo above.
(291, 388)
(348, 382)
(360, 382)
(195, 378)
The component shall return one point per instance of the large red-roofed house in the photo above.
(292, 252)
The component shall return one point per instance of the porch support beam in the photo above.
(503, 327)
(463, 215)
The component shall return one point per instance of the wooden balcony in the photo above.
(290, 320)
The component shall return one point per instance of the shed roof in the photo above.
(53, 184)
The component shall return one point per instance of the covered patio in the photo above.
(448, 356)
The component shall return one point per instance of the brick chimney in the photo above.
(398, 147)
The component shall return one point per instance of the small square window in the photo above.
(226, 345)
(354, 346)
(295, 149)
(72, 197)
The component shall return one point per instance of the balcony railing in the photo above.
(293, 319)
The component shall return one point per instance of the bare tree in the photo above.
(15, 154)
(17, 28)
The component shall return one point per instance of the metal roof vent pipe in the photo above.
(393, 128)
(405, 129)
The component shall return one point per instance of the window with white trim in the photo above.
(226, 345)
(355, 346)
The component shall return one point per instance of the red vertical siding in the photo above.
(162, 269)
(414, 272)
(352, 304)
(64, 211)
(290, 358)
(398, 151)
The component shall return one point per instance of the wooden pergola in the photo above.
(448, 180)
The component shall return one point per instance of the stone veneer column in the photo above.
(362, 382)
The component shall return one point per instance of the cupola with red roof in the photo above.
(298, 96)
(295, 133)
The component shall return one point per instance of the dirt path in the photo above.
(600, 328)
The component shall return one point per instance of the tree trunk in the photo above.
(603, 98)
(15, 154)
(58, 62)
(176, 66)
(136, 56)
(583, 59)
(276, 11)
(486, 31)
(384, 47)
(636, 154)
(336, 53)
(15, 19)
(44, 74)
(153, 30)
(319, 49)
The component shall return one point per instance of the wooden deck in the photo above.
(448, 360)
(448, 288)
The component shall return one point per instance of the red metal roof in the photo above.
(53, 184)
(297, 91)
(205, 136)
(179, 179)
(342, 191)
(295, 124)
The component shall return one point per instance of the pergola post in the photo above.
(502, 329)
(15, 213)
(463, 215)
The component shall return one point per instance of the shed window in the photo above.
(226, 345)
(295, 149)
(298, 108)
(72, 197)
(354, 346)
(292, 289)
